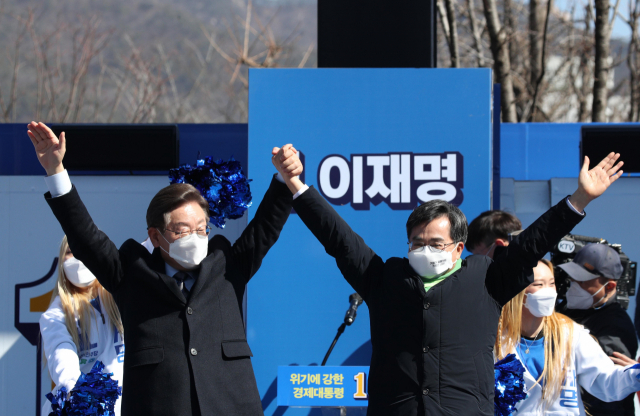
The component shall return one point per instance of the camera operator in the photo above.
(591, 302)
(491, 229)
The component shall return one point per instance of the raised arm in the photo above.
(358, 263)
(360, 266)
(265, 227)
(511, 271)
(88, 244)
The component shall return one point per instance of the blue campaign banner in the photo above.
(302, 386)
(376, 143)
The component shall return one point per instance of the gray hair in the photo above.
(437, 208)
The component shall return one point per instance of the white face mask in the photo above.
(542, 302)
(77, 273)
(188, 251)
(427, 263)
(578, 298)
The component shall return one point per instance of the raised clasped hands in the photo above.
(286, 161)
(592, 183)
(49, 149)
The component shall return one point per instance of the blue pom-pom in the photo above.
(222, 184)
(58, 402)
(95, 393)
(509, 388)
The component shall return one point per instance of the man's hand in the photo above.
(621, 359)
(592, 183)
(286, 161)
(49, 149)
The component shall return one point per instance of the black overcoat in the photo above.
(181, 357)
(433, 351)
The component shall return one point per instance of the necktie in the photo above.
(180, 278)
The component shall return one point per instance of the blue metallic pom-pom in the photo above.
(509, 388)
(222, 184)
(58, 402)
(95, 393)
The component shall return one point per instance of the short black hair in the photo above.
(172, 197)
(437, 208)
(491, 225)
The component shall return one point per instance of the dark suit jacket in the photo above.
(432, 352)
(182, 357)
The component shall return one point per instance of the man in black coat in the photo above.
(592, 302)
(186, 351)
(433, 316)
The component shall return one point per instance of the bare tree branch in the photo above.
(453, 33)
(502, 63)
(538, 80)
(601, 72)
(477, 39)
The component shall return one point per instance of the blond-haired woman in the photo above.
(81, 326)
(558, 354)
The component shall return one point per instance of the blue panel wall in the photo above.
(540, 151)
(298, 298)
(219, 140)
(529, 151)
(16, 151)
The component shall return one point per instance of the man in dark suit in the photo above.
(186, 351)
(433, 316)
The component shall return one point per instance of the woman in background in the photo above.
(81, 326)
(558, 354)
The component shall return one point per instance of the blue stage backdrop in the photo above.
(376, 142)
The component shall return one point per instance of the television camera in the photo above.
(567, 249)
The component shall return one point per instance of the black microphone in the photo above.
(355, 300)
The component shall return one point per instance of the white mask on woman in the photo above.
(427, 263)
(188, 251)
(542, 302)
(578, 298)
(77, 273)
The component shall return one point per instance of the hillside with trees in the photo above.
(165, 61)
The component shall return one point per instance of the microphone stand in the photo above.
(343, 410)
(333, 344)
(354, 300)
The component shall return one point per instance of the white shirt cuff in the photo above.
(58, 184)
(573, 208)
(301, 191)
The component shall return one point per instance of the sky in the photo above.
(620, 28)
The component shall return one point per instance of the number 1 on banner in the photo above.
(361, 380)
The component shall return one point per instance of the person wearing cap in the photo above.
(559, 356)
(591, 302)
